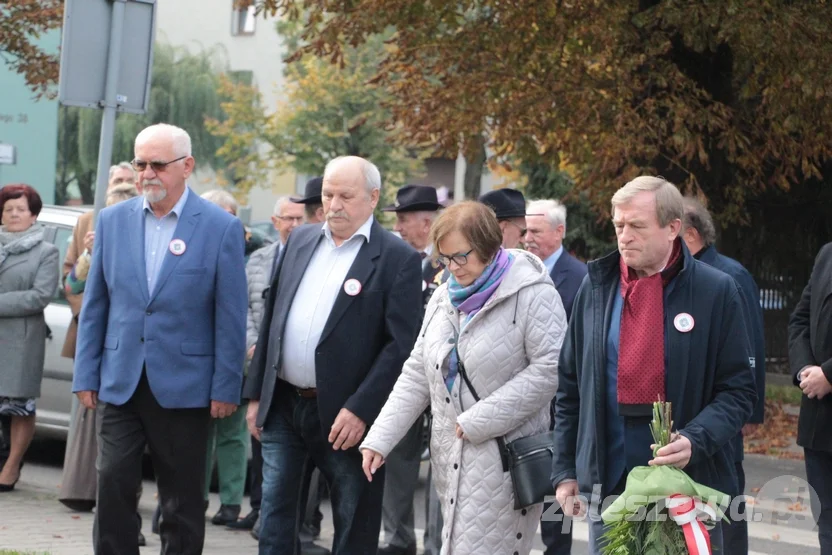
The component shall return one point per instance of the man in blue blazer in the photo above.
(545, 230)
(161, 343)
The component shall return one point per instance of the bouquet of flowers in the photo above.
(662, 511)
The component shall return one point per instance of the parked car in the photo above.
(55, 403)
(266, 229)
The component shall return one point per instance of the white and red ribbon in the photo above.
(685, 511)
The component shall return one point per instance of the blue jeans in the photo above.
(291, 437)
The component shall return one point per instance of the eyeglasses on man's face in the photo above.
(460, 259)
(292, 219)
(158, 167)
(518, 226)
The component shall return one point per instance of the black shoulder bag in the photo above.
(529, 459)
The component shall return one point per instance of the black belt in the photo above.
(306, 393)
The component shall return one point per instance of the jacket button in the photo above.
(141, 339)
(447, 399)
(437, 367)
(452, 501)
(148, 313)
(523, 512)
(519, 535)
(457, 466)
(516, 553)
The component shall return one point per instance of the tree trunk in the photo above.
(474, 165)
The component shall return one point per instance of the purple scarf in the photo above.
(470, 299)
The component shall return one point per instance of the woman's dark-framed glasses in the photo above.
(460, 259)
(158, 167)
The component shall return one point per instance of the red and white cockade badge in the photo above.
(177, 247)
(352, 287)
(683, 322)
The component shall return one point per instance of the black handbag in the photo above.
(528, 459)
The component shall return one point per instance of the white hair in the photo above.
(281, 202)
(372, 177)
(181, 139)
(554, 211)
(426, 214)
(223, 199)
(123, 166)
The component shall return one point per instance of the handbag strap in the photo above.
(501, 441)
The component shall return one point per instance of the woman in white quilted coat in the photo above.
(502, 310)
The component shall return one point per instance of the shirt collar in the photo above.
(429, 249)
(177, 208)
(553, 259)
(363, 231)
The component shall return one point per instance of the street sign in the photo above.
(7, 155)
(85, 53)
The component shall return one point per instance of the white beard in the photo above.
(155, 196)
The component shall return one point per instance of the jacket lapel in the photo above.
(559, 271)
(136, 228)
(9, 263)
(184, 230)
(296, 261)
(361, 270)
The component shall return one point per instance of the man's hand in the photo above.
(372, 462)
(567, 496)
(250, 352)
(676, 453)
(221, 410)
(347, 430)
(89, 239)
(88, 398)
(251, 419)
(814, 383)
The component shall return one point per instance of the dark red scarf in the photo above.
(641, 343)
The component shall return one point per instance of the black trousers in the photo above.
(735, 533)
(178, 440)
(256, 477)
(819, 476)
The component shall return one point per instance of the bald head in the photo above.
(350, 192)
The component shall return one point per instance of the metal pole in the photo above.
(108, 121)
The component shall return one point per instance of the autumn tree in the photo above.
(729, 99)
(327, 111)
(183, 92)
(22, 23)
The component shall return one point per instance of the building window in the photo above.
(243, 20)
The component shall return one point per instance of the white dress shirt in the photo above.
(315, 297)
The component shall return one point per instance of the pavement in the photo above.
(32, 521)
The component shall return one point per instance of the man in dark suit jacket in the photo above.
(699, 234)
(545, 230)
(810, 358)
(341, 319)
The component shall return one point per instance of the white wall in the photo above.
(205, 24)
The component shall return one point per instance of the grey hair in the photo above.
(426, 214)
(122, 192)
(372, 177)
(698, 218)
(123, 166)
(181, 139)
(668, 198)
(221, 198)
(281, 202)
(552, 210)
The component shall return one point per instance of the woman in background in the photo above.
(29, 272)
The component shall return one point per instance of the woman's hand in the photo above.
(459, 433)
(372, 462)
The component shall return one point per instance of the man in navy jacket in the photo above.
(699, 235)
(650, 320)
